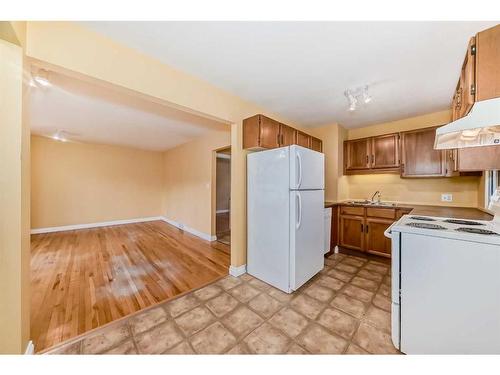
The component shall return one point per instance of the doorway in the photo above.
(223, 196)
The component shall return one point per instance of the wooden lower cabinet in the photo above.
(375, 240)
(351, 230)
(362, 228)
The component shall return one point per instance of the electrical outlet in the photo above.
(446, 198)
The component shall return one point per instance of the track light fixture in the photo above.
(353, 95)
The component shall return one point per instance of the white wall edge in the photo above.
(221, 211)
(237, 271)
(94, 225)
(197, 233)
(30, 348)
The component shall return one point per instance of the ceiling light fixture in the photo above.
(59, 136)
(359, 93)
(352, 100)
(42, 78)
(366, 97)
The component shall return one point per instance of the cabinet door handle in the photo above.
(278, 139)
(373, 159)
(361, 227)
(367, 159)
(366, 226)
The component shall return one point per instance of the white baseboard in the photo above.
(221, 211)
(30, 348)
(237, 271)
(336, 250)
(197, 233)
(94, 225)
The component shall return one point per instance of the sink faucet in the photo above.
(377, 193)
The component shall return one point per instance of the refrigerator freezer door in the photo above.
(306, 235)
(307, 169)
(268, 217)
(449, 296)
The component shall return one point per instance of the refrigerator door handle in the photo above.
(299, 211)
(299, 164)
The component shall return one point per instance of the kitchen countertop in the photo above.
(427, 210)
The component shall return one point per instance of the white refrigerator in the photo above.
(285, 214)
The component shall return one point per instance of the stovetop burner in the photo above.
(422, 218)
(462, 222)
(425, 225)
(476, 231)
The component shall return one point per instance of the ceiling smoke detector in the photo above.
(359, 93)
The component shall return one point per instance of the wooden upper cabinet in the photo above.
(464, 95)
(287, 136)
(261, 132)
(488, 64)
(385, 151)
(302, 139)
(418, 157)
(316, 144)
(478, 158)
(357, 154)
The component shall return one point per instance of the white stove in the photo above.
(446, 285)
(464, 229)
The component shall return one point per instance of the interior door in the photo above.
(307, 235)
(307, 169)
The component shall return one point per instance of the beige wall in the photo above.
(73, 48)
(189, 170)
(14, 204)
(80, 183)
(465, 190)
(223, 184)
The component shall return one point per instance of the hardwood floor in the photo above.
(85, 278)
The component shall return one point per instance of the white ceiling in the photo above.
(90, 113)
(300, 70)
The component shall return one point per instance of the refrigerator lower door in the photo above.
(306, 235)
(450, 300)
(307, 169)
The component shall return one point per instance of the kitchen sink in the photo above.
(370, 203)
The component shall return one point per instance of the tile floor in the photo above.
(344, 309)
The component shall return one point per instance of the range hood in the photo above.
(481, 127)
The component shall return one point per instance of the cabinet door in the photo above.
(468, 79)
(487, 64)
(479, 158)
(385, 151)
(356, 154)
(376, 241)
(316, 144)
(352, 232)
(287, 135)
(269, 132)
(419, 159)
(302, 139)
